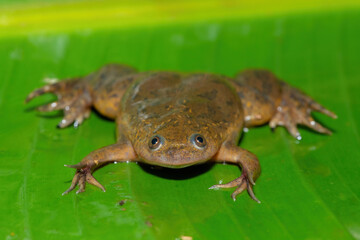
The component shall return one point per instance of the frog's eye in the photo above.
(155, 142)
(198, 141)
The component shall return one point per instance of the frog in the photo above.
(176, 120)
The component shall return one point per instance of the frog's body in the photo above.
(177, 120)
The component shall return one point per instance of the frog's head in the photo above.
(178, 143)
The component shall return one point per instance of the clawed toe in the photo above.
(51, 88)
(312, 124)
(74, 182)
(319, 108)
(241, 183)
(82, 176)
(76, 166)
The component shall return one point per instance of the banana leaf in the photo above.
(309, 189)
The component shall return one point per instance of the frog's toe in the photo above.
(64, 102)
(292, 117)
(81, 117)
(319, 108)
(74, 114)
(312, 124)
(283, 118)
(241, 183)
(295, 109)
(74, 182)
(73, 98)
(49, 107)
(83, 176)
(50, 88)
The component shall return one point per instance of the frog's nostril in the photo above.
(198, 141)
(156, 142)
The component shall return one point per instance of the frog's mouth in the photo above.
(176, 165)
(178, 160)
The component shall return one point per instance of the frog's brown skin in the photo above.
(176, 120)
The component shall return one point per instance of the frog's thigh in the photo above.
(108, 96)
(260, 93)
(258, 109)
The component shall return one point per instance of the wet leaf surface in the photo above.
(309, 189)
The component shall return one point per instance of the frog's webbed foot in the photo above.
(295, 108)
(82, 176)
(241, 183)
(73, 98)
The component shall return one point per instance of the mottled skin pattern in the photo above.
(176, 120)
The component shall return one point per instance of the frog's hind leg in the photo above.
(74, 99)
(102, 89)
(266, 99)
(295, 108)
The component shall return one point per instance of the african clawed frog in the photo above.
(176, 120)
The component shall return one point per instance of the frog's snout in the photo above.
(183, 151)
(181, 155)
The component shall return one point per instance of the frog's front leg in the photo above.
(250, 169)
(118, 152)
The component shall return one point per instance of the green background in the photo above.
(309, 189)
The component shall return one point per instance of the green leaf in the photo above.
(308, 189)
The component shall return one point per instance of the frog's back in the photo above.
(167, 100)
